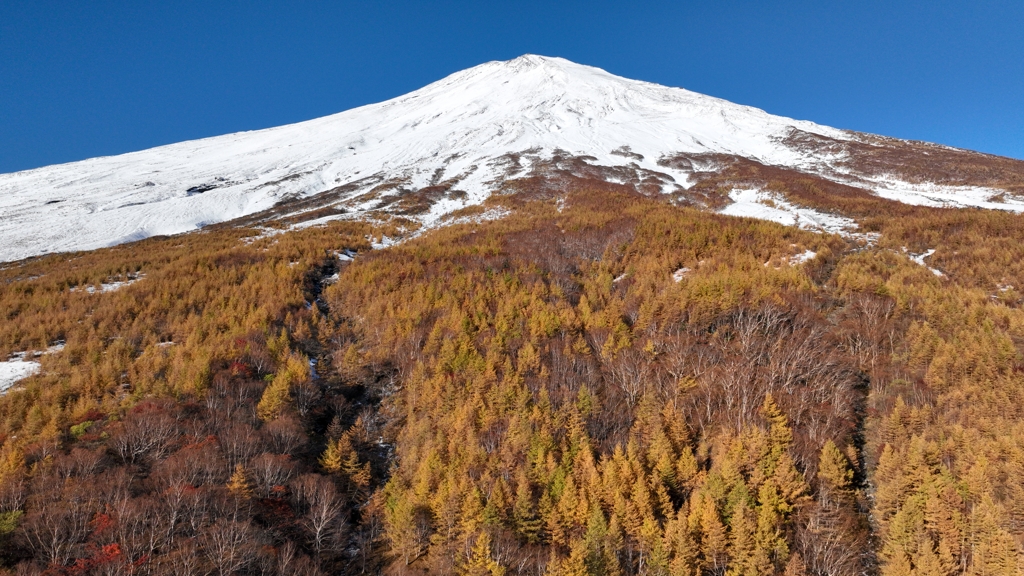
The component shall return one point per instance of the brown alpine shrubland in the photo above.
(600, 382)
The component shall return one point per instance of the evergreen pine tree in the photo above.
(527, 523)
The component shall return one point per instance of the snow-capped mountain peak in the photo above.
(460, 137)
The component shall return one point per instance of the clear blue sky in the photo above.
(82, 79)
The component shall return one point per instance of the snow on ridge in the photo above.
(805, 256)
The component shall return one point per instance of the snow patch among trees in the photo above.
(769, 206)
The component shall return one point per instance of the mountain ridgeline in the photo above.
(575, 357)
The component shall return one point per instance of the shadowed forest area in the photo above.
(598, 383)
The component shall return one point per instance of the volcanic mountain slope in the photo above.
(606, 379)
(455, 142)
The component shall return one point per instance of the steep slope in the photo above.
(454, 142)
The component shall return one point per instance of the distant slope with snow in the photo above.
(458, 138)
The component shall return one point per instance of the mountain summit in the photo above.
(454, 142)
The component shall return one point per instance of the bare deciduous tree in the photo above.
(631, 371)
(185, 559)
(146, 432)
(323, 511)
(57, 522)
(239, 444)
(285, 434)
(229, 545)
(269, 471)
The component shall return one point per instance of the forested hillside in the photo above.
(599, 382)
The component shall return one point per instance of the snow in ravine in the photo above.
(472, 130)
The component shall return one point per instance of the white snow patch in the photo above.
(679, 274)
(320, 221)
(941, 196)
(264, 232)
(16, 369)
(919, 258)
(111, 286)
(769, 206)
(384, 242)
(492, 214)
(805, 256)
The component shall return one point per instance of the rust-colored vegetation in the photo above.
(600, 382)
